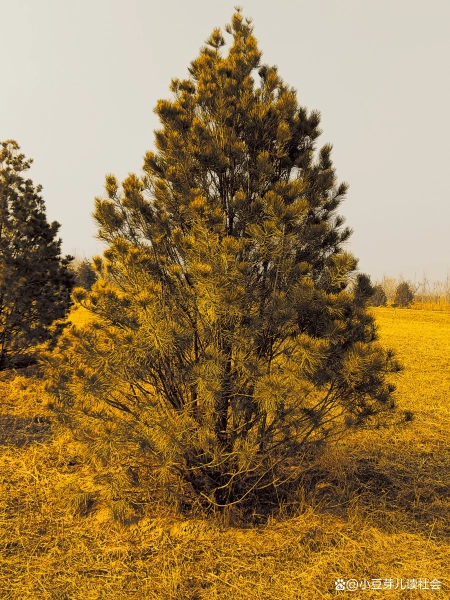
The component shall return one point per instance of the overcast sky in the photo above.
(80, 79)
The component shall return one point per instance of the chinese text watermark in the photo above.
(351, 585)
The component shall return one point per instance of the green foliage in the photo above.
(404, 295)
(35, 282)
(379, 297)
(231, 336)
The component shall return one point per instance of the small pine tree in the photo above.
(404, 296)
(228, 341)
(378, 297)
(85, 276)
(35, 282)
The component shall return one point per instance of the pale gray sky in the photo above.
(80, 79)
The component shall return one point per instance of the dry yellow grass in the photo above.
(374, 506)
(433, 306)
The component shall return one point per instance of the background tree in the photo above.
(379, 297)
(389, 285)
(231, 336)
(35, 283)
(404, 295)
(85, 276)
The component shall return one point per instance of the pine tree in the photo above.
(35, 283)
(85, 276)
(378, 297)
(231, 334)
(404, 295)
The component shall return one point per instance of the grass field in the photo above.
(375, 507)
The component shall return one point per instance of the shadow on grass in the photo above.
(399, 499)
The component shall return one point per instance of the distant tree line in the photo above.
(403, 293)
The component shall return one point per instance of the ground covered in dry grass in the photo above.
(375, 507)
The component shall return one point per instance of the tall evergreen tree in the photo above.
(35, 283)
(231, 334)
